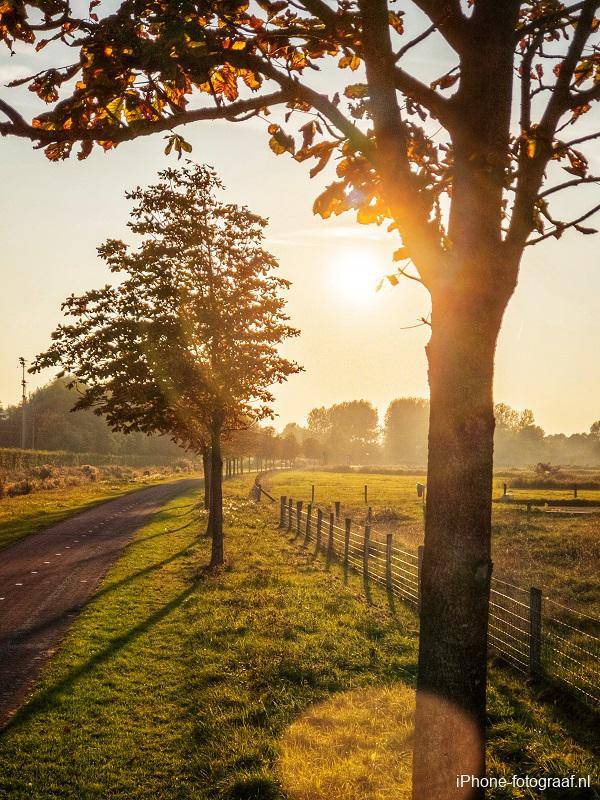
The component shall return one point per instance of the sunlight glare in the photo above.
(354, 276)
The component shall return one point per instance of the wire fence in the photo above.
(533, 633)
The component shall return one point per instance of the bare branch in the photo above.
(440, 107)
(560, 229)
(568, 184)
(417, 40)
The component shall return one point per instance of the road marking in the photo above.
(2, 598)
(67, 547)
(57, 554)
(46, 562)
(18, 584)
(34, 571)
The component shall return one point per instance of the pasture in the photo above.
(557, 552)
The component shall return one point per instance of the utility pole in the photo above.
(23, 401)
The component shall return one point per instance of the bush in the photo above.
(91, 473)
(19, 487)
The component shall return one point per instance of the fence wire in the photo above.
(540, 637)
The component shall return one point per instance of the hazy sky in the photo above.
(353, 344)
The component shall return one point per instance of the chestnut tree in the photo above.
(464, 170)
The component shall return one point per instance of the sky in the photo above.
(355, 342)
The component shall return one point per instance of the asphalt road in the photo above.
(46, 578)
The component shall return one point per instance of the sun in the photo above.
(354, 276)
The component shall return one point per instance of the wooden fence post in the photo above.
(312, 494)
(282, 501)
(366, 548)
(337, 509)
(289, 520)
(330, 542)
(298, 516)
(420, 552)
(319, 528)
(366, 493)
(308, 522)
(535, 631)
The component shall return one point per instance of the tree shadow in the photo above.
(47, 698)
(22, 637)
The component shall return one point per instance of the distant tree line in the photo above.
(350, 433)
(51, 425)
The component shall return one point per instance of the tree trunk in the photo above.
(206, 471)
(215, 517)
(456, 572)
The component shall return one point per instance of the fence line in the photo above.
(533, 633)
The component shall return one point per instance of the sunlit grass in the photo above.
(560, 554)
(356, 745)
(25, 514)
(177, 684)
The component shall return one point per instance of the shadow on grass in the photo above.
(23, 637)
(579, 721)
(48, 698)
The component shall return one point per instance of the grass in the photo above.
(558, 553)
(270, 679)
(29, 513)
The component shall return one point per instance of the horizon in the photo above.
(57, 214)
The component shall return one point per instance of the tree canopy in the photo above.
(187, 340)
(402, 146)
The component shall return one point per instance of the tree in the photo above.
(405, 430)
(345, 430)
(187, 343)
(290, 448)
(353, 430)
(464, 175)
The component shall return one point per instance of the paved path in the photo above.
(46, 578)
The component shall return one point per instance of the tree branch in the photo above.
(568, 184)
(550, 18)
(19, 127)
(562, 228)
(321, 10)
(531, 170)
(409, 207)
(440, 107)
(417, 40)
(449, 20)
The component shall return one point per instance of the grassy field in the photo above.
(271, 679)
(25, 514)
(559, 553)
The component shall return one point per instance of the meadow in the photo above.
(269, 679)
(557, 552)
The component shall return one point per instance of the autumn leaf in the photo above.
(349, 60)
(445, 82)
(332, 201)
(280, 142)
(356, 91)
(396, 21)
